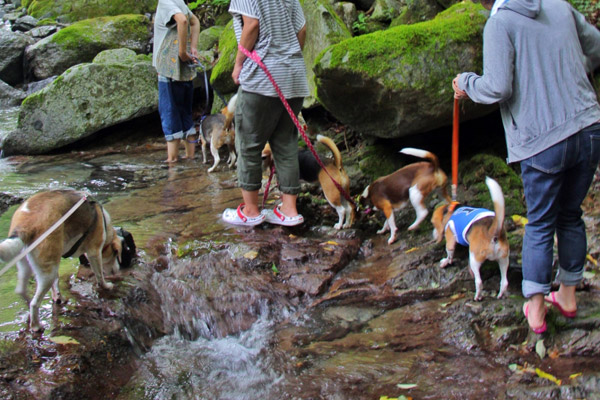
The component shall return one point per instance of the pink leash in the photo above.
(254, 57)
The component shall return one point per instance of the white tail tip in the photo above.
(411, 151)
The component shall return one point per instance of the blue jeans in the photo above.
(175, 108)
(556, 182)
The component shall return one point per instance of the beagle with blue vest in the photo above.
(481, 230)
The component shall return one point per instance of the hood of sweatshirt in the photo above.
(527, 8)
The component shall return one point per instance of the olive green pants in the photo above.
(260, 119)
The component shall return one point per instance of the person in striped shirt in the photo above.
(276, 31)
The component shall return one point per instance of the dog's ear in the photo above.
(437, 220)
(128, 250)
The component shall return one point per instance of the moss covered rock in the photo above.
(472, 174)
(80, 42)
(220, 77)
(84, 100)
(403, 75)
(76, 10)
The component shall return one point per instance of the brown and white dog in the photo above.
(413, 183)
(88, 230)
(311, 171)
(484, 234)
(216, 131)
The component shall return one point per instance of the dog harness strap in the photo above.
(240, 213)
(82, 238)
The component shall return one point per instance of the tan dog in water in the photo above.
(216, 131)
(88, 230)
(480, 229)
(311, 171)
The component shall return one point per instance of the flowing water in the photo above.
(386, 320)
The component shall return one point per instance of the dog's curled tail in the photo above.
(411, 151)
(10, 248)
(337, 156)
(498, 199)
(229, 111)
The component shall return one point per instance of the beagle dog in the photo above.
(481, 230)
(412, 183)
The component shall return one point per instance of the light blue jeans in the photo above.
(556, 182)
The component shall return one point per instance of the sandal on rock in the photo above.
(551, 298)
(275, 216)
(539, 330)
(237, 217)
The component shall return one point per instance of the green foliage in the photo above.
(214, 3)
(589, 8)
(360, 25)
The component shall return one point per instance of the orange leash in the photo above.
(455, 149)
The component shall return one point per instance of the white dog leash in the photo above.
(43, 236)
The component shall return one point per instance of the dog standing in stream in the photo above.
(87, 231)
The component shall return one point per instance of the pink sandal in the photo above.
(539, 330)
(551, 298)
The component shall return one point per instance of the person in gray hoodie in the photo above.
(537, 55)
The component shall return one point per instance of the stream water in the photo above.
(383, 321)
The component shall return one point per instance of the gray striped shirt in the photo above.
(277, 45)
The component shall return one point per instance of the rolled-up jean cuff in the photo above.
(190, 132)
(569, 278)
(176, 135)
(289, 190)
(249, 187)
(530, 288)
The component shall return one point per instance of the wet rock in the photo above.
(24, 23)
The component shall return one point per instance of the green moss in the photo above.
(371, 54)
(378, 160)
(472, 174)
(97, 30)
(75, 10)
(220, 76)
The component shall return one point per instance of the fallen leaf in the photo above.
(407, 385)
(63, 340)
(548, 376)
(540, 349)
(411, 250)
(592, 260)
(573, 376)
(331, 242)
(327, 248)
(251, 255)
(513, 367)
(274, 269)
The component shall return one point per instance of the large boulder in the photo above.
(397, 82)
(12, 48)
(81, 41)
(84, 100)
(76, 10)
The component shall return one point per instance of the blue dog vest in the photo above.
(462, 219)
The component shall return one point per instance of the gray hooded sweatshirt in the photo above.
(536, 56)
